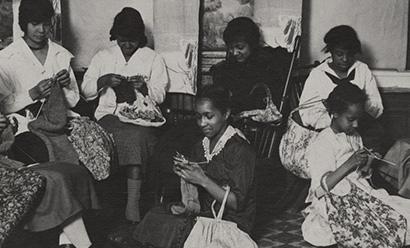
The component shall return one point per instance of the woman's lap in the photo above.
(134, 143)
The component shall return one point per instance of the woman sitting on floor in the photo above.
(344, 45)
(116, 75)
(338, 161)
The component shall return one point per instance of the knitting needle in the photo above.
(376, 157)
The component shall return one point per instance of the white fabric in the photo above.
(177, 41)
(218, 233)
(20, 71)
(143, 62)
(318, 86)
(327, 153)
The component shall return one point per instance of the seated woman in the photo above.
(230, 160)
(106, 78)
(29, 67)
(344, 45)
(249, 63)
(69, 191)
(337, 160)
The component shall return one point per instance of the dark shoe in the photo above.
(122, 236)
(66, 246)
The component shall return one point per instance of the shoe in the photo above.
(66, 246)
(122, 236)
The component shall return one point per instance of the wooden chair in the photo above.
(267, 137)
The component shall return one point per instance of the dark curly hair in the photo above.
(242, 28)
(36, 11)
(129, 24)
(218, 95)
(344, 95)
(344, 37)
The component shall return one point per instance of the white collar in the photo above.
(325, 67)
(227, 135)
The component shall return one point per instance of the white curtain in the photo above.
(176, 32)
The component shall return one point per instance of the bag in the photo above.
(294, 144)
(94, 146)
(270, 114)
(218, 233)
(359, 219)
(161, 229)
(143, 112)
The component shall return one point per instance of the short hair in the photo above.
(34, 11)
(344, 95)
(129, 24)
(344, 37)
(242, 28)
(219, 96)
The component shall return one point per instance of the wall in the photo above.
(381, 25)
(86, 25)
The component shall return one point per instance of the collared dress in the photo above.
(231, 163)
(329, 151)
(134, 143)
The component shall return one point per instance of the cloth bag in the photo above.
(218, 233)
(294, 143)
(359, 219)
(142, 112)
(270, 114)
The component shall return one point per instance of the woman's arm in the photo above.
(158, 82)
(194, 174)
(358, 159)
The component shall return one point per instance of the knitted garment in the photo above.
(6, 140)
(125, 92)
(50, 127)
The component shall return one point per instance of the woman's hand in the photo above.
(41, 90)
(63, 78)
(191, 172)
(358, 159)
(110, 80)
(139, 84)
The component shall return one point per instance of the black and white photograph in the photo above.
(204, 123)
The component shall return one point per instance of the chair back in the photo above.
(178, 107)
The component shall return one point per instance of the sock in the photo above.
(132, 211)
(77, 234)
(63, 239)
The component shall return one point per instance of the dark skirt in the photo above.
(69, 191)
(134, 144)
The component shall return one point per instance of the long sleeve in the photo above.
(374, 105)
(241, 168)
(89, 84)
(72, 92)
(316, 115)
(158, 82)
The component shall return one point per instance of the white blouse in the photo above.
(20, 71)
(143, 62)
(329, 151)
(318, 86)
